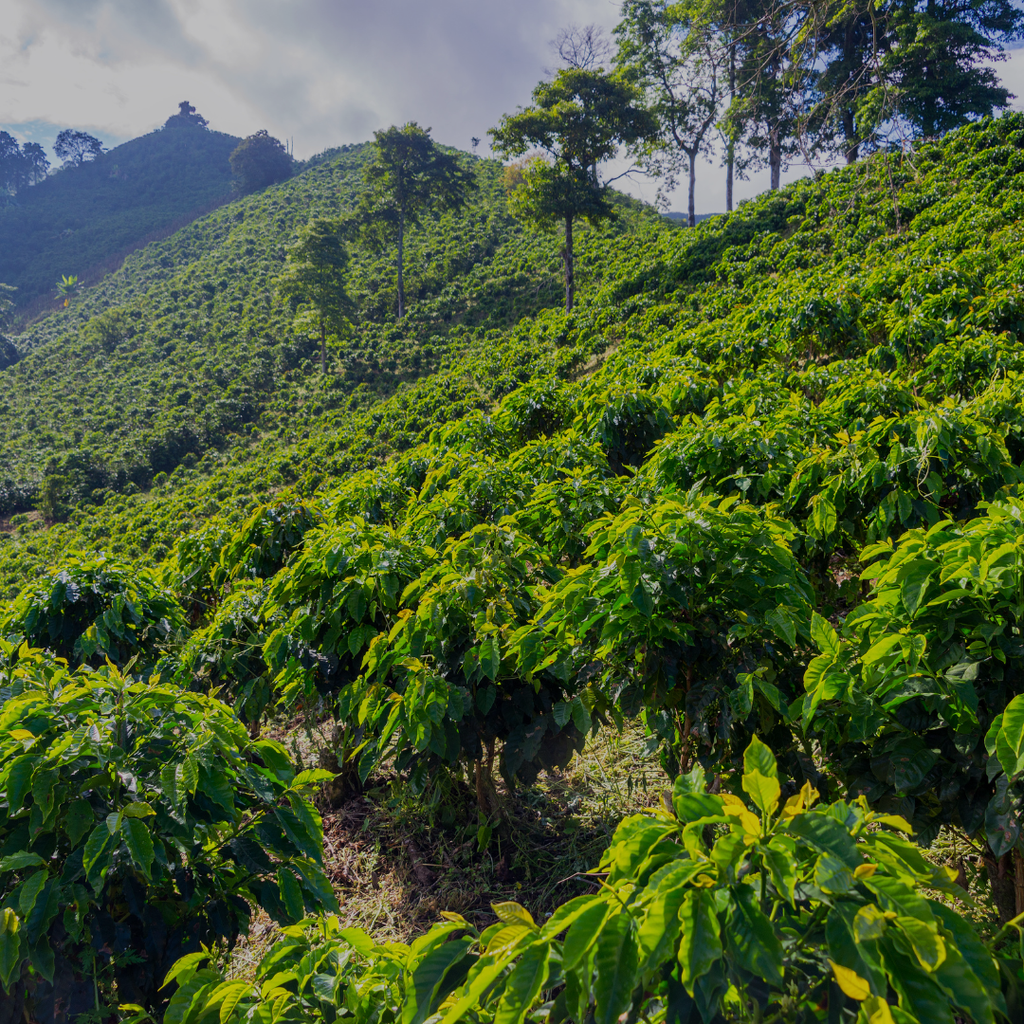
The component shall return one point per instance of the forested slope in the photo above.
(83, 220)
(761, 488)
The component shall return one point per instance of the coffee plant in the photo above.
(138, 822)
(714, 907)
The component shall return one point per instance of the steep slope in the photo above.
(898, 284)
(762, 491)
(187, 347)
(84, 220)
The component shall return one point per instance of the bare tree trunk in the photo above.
(730, 149)
(401, 256)
(1018, 882)
(729, 163)
(849, 133)
(691, 216)
(1002, 883)
(570, 267)
(775, 158)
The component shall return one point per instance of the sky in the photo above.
(319, 73)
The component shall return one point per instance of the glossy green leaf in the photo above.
(583, 932)
(139, 843)
(19, 861)
(700, 943)
(524, 985)
(10, 947)
(616, 964)
(427, 977)
(751, 938)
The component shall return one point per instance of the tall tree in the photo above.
(36, 164)
(775, 75)
(586, 48)
(852, 42)
(10, 162)
(407, 177)
(186, 117)
(259, 161)
(578, 120)
(315, 273)
(730, 16)
(74, 148)
(937, 62)
(676, 58)
(9, 355)
(6, 305)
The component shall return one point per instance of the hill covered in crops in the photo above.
(188, 344)
(83, 220)
(760, 488)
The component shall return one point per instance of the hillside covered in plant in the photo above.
(760, 488)
(82, 220)
(189, 347)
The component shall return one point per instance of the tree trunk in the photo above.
(1002, 883)
(775, 158)
(1018, 882)
(730, 148)
(401, 257)
(729, 163)
(570, 267)
(691, 216)
(849, 133)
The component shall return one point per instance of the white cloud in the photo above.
(323, 72)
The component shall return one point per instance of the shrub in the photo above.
(137, 823)
(91, 611)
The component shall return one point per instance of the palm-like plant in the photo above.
(66, 288)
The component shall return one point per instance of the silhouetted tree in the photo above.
(585, 48)
(258, 161)
(186, 117)
(74, 148)
(35, 163)
(10, 161)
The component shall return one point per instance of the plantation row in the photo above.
(761, 490)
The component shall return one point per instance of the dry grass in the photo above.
(953, 849)
(396, 863)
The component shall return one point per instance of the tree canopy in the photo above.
(578, 120)
(186, 117)
(677, 60)
(74, 148)
(259, 161)
(935, 60)
(315, 274)
(407, 177)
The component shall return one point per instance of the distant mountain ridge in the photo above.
(82, 221)
(676, 215)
